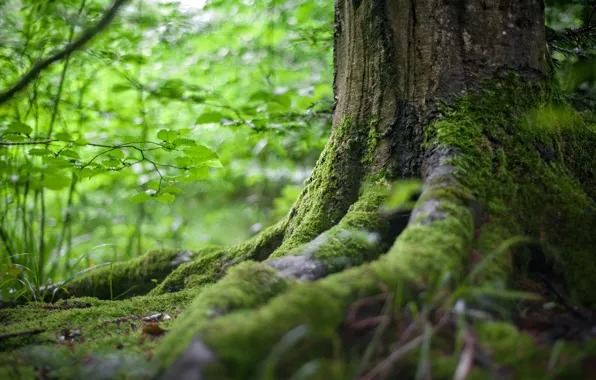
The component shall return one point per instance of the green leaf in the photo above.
(213, 164)
(14, 137)
(183, 142)
(166, 198)
(183, 161)
(55, 181)
(40, 152)
(120, 87)
(200, 153)
(55, 163)
(260, 96)
(403, 195)
(284, 100)
(62, 136)
(153, 185)
(172, 190)
(200, 172)
(18, 127)
(140, 197)
(167, 135)
(117, 154)
(88, 172)
(209, 117)
(70, 153)
(197, 98)
(111, 163)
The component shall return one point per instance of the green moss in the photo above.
(446, 244)
(240, 340)
(525, 358)
(109, 335)
(204, 270)
(357, 238)
(125, 279)
(247, 285)
(489, 245)
(372, 142)
(332, 188)
(531, 160)
(210, 267)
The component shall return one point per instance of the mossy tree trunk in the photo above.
(453, 92)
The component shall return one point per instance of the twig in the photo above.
(386, 364)
(38, 142)
(21, 333)
(87, 36)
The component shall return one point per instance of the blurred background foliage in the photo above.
(186, 123)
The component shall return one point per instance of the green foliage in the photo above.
(571, 35)
(177, 127)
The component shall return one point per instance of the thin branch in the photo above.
(38, 142)
(87, 36)
(21, 333)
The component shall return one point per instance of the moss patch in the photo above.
(211, 266)
(331, 189)
(101, 340)
(360, 236)
(531, 159)
(126, 279)
(246, 286)
(240, 340)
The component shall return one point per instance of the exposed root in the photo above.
(239, 341)
(210, 267)
(332, 188)
(123, 279)
(246, 286)
(361, 235)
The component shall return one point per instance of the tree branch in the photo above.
(87, 35)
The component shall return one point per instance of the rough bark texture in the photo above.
(395, 60)
(455, 92)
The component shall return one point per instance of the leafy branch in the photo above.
(77, 44)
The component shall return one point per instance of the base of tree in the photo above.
(508, 206)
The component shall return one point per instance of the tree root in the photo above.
(435, 241)
(208, 268)
(123, 279)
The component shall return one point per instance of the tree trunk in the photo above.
(458, 93)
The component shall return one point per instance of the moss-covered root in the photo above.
(210, 267)
(361, 236)
(123, 279)
(333, 186)
(246, 286)
(241, 340)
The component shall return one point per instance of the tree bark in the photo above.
(395, 61)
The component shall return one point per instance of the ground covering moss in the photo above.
(94, 340)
